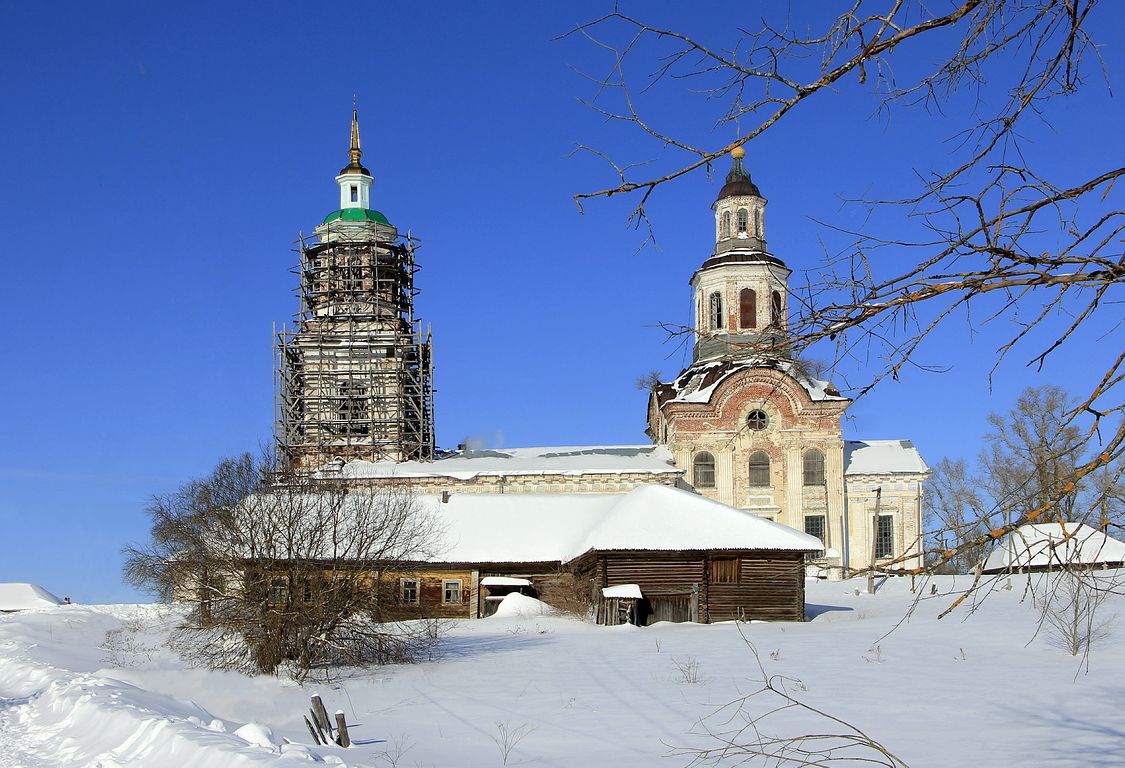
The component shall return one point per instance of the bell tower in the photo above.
(354, 373)
(741, 291)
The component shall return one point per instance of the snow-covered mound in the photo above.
(516, 605)
(21, 596)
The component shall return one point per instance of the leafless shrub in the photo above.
(286, 573)
(1071, 610)
(772, 726)
(687, 670)
(508, 737)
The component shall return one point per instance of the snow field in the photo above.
(975, 688)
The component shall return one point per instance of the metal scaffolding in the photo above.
(354, 375)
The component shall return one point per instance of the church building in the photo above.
(743, 426)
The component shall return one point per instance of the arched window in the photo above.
(757, 420)
(715, 306)
(757, 222)
(742, 220)
(775, 309)
(759, 470)
(814, 467)
(703, 470)
(724, 226)
(747, 308)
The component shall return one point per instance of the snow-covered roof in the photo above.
(1054, 545)
(632, 591)
(557, 460)
(504, 581)
(21, 596)
(882, 457)
(558, 527)
(698, 382)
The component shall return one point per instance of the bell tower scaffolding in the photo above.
(354, 373)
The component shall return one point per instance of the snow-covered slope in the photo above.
(97, 686)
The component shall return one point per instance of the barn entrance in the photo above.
(676, 606)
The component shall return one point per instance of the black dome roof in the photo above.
(738, 182)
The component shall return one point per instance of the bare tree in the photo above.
(1071, 612)
(1030, 460)
(987, 236)
(294, 572)
(956, 512)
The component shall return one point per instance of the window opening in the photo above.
(884, 536)
(716, 308)
(703, 470)
(742, 221)
(724, 570)
(775, 309)
(451, 591)
(814, 467)
(409, 590)
(759, 469)
(747, 308)
(724, 226)
(351, 409)
(355, 193)
(757, 420)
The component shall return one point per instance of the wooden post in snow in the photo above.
(342, 737)
(320, 714)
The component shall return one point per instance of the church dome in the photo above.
(738, 182)
(356, 214)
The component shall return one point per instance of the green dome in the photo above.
(356, 214)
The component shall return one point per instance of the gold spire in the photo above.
(354, 152)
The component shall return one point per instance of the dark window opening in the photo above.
(757, 420)
(724, 227)
(716, 311)
(815, 526)
(409, 590)
(743, 220)
(775, 309)
(759, 469)
(355, 193)
(814, 467)
(703, 470)
(351, 409)
(747, 308)
(884, 536)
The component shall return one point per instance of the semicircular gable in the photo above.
(759, 385)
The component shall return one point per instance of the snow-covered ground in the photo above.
(97, 685)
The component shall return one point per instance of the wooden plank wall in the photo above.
(771, 585)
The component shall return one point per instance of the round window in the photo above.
(757, 420)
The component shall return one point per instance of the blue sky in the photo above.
(159, 161)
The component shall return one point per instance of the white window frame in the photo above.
(402, 591)
(445, 583)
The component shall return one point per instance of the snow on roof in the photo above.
(560, 460)
(1054, 545)
(558, 527)
(504, 581)
(698, 382)
(20, 596)
(882, 457)
(623, 590)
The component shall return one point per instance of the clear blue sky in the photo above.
(159, 160)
